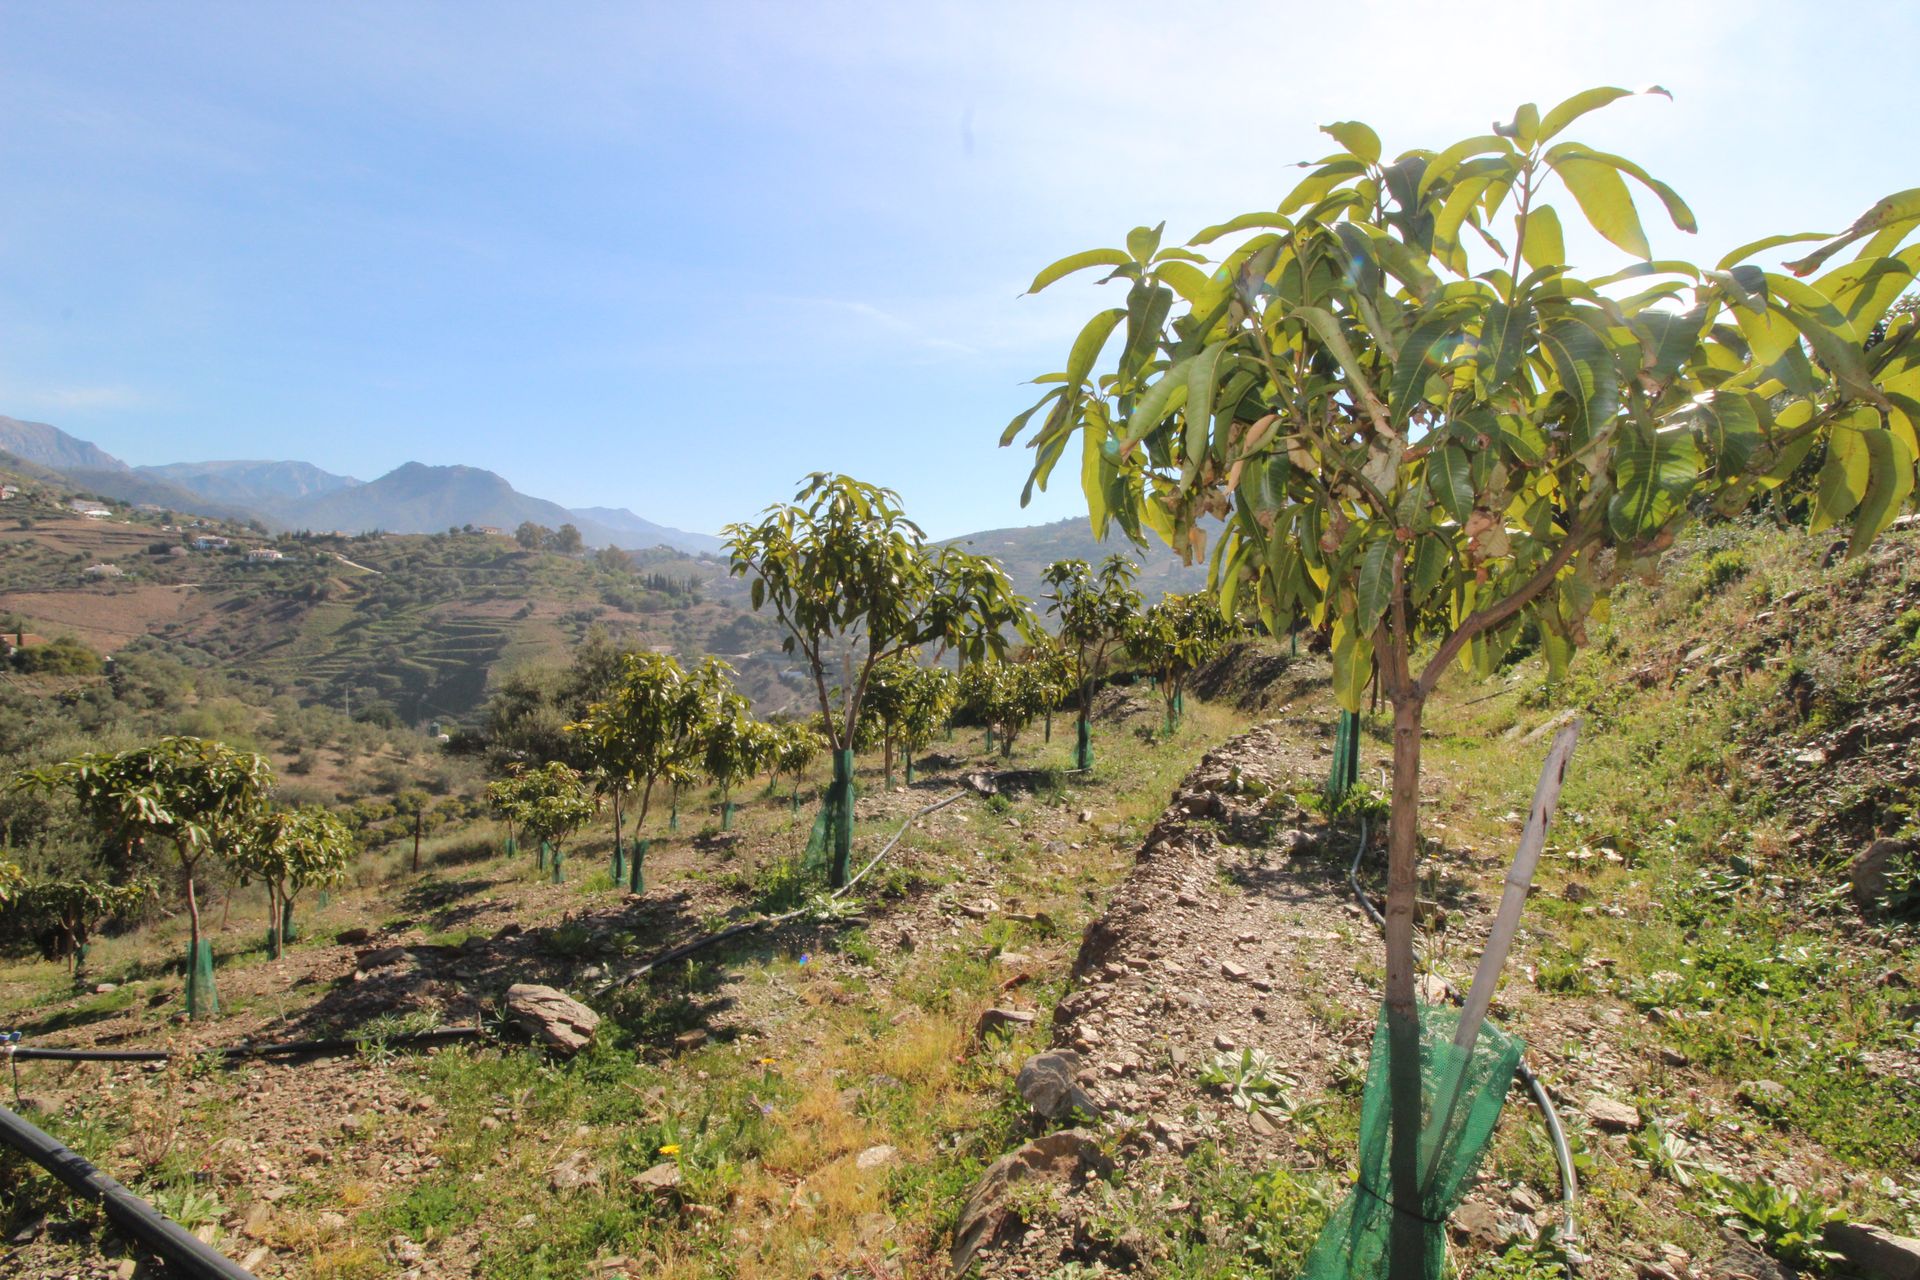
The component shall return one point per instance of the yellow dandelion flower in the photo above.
(671, 1149)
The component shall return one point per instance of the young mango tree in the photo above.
(1425, 429)
(1176, 637)
(800, 745)
(652, 726)
(853, 582)
(732, 750)
(506, 800)
(64, 912)
(289, 850)
(1006, 696)
(924, 709)
(1095, 609)
(557, 804)
(193, 792)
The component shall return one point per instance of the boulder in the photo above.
(1875, 1253)
(1768, 1096)
(1049, 1082)
(658, 1180)
(554, 1018)
(1610, 1115)
(990, 1218)
(574, 1173)
(875, 1157)
(1868, 871)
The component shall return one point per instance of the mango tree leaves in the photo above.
(1653, 473)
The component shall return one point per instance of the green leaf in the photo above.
(1503, 342)
(1144, 242)
(1190, 282)
(1442, 165)
(1652, 475)
(1245, 222)
(1844, 477)
(1358, 138)
(1086, 348)
(1889, 484)
(1327, 329)
(1352, 665)
(1157, 402)
(1079, 262)
(1526, 124)
(1732, 428)
(1765, 243)
(1604, 198)
(1416, 362)
(1543, 245)
(1578, 105)
(1374, 588)
(1202, 378)
(1901, 207)
(1586, 371)
(1450, 480)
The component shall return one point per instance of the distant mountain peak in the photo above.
(49, 446)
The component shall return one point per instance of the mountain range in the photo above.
(412, 498)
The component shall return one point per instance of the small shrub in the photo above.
(1779, 1219)
(1723, 569)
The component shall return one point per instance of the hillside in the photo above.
(48, 446)
(1026, 551)
(1725, 1024)
(260, 485)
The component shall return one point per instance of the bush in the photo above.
(63, 657)
(1722, 569)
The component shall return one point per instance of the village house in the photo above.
(264, 553)
(103, 571)
(210, 542)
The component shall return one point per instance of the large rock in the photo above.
(1868, 871)
(1875, 1253)
(989, 1218)
(556, 1019)
(1610, 1115)
(1050, 1084)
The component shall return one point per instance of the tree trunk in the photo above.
(617, 807)
(887, 750)
(273, 922)
(418, 818)
(193, 923)
(1406, 1248)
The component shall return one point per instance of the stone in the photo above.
(1874, 1252)
(990, 1216)
(1764, 1095)
(1236, 972)
(658, 1180)
(556, 1019)
(102, 988)
(573, 1173)
(328, 1220)
(1476, 1223)
(875, 1157)
(1673, 1057)
(1009, 1020)
(1050, 1083)
(1225, 1043)
(1867, 873)
(1610, 1115)
(690, 1039)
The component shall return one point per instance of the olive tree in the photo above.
(853, 582)
(290, 850)
(193, 792)
(1095, 609)
(1425, 429)
(1174, 638)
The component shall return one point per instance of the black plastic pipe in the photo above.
(183, 1251)
(289, 1048)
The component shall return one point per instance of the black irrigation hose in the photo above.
(184, 1253)
(1569, 1180)
(289, 1048)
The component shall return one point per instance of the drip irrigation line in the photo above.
(1563, 1156)
(287, 1048)
(183, 1252)
(748, 926)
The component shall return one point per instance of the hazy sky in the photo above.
(673, 257)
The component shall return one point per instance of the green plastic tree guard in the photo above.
(842, 818)
(1461, 1092)
(202, 1000)
(288, 933)
(726, 815)
(511, 848)
(1346, 756)
(540, 857)
(619, 864)
(557, 860)
(1083, 745)
(637, 869)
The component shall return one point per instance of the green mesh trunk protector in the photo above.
(1346, 756)
(830, 847)
(1460, 1099)
(637, 867)
(287, 932)
(557, 860)
(619, 868)
(1083, 745)
(202, 1000)
(511, 848)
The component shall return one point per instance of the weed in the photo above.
(1780, 1219)
(1251, 1080)
(1722, 569)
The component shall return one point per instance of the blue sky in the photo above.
(672, 257)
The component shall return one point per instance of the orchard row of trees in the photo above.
(176, 803)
